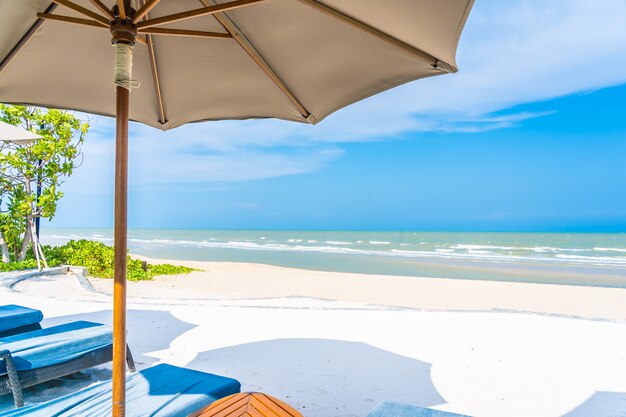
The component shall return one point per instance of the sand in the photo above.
(224, 280)
(335, 345)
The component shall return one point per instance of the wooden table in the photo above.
(248, 404)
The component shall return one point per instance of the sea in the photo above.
(556, 258)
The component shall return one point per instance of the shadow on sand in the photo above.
(148, 330)
(324, 377)
(601, 404)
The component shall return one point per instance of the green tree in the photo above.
(45, 162)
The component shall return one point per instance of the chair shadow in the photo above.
(601, 404)
(148, 331)
(324, 377)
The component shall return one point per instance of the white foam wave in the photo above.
(472, 247)
(595, 259)
(610, 249)
(537, 249)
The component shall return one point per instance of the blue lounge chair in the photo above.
(160, 391)
(16, 319)
(391, 409)
(31, 358)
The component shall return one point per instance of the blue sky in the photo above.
(529, 135)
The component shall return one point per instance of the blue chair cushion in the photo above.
(55, 345)
(391, 409)
(13, 316)
(160, 391)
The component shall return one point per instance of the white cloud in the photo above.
(160, 159)
(511, 53)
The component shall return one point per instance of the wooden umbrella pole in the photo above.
(124, 33)
(119, 290)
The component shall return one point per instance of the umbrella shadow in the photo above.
(324, 377)
(601, 404)
(147, 330)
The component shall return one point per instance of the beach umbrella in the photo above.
(197, 60)
(15, 134)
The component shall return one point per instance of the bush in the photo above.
(98, 258)
(17, 266)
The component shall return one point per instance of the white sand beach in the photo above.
(335, 344)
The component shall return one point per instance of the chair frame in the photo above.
(15, 381)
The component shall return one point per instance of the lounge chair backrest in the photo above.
(41, 348)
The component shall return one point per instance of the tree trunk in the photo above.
(25, 242)
(4, 248)
(37, 248)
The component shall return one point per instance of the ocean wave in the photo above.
(379, 242)
(594, 259)
(473, 247)
(536, 249)
(79, 237)
(485, 253)
(610, 249)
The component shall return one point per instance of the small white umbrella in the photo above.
(15, 134)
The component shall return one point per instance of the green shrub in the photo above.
(98, 258)
(167, 269)
(17, 266)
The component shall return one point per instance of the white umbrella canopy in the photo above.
(297, 60)
(15, 134)
(197, 60)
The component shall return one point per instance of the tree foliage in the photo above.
(46, 162)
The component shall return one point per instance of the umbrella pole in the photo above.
(120, 235)
(124, 33)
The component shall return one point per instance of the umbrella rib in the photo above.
(418, 53)
(121, 9)
(155, 79)
(185, 32)
(247, 46)
(83, 11)
(70, 19)
(153, 69)
(144, 9)
(26, 37)
(102, 7)
(196, 13)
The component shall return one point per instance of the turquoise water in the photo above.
(577, 258)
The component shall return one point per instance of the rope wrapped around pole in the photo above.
(124, 66)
